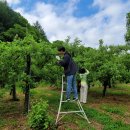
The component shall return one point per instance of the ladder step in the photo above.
(69, 101)
(64, 101)
(69, 112)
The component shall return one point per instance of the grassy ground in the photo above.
(109, 113)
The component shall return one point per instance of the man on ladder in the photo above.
(70, 70)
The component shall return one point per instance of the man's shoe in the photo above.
(75, 99)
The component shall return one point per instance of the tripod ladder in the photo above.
(80, 112)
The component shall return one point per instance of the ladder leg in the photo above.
(61, 98)
(83, 112)
(58, 113)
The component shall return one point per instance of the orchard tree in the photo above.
(11, 65)
(127, 36)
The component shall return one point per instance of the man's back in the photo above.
(70, 67)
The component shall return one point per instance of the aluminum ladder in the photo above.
(80, 112)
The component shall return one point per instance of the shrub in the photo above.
(39, 118)
(2, 93)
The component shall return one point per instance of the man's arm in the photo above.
(65, 61)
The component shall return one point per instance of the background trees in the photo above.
(12, 24)
(28, 57)
(127, 36)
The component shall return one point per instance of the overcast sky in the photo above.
(89, 20)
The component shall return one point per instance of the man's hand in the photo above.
(57, 57)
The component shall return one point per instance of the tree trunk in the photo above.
(27, 89)
(109, 83)
(14, 97)
(105, 84)
(13, 93)
(26, 103)
(2, 84)
(104, 91)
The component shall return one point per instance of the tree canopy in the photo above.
(28, 57)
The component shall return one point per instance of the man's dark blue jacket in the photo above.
(70, 67)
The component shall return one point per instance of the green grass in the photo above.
(92, 113)
(118, 109)
(6, 122)
(117, 125)
(9, 107)
(120, 90)
(83, 125)
(106, 120)
(2, 122)
(2, 93)
(100, 114)
(123, 87)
